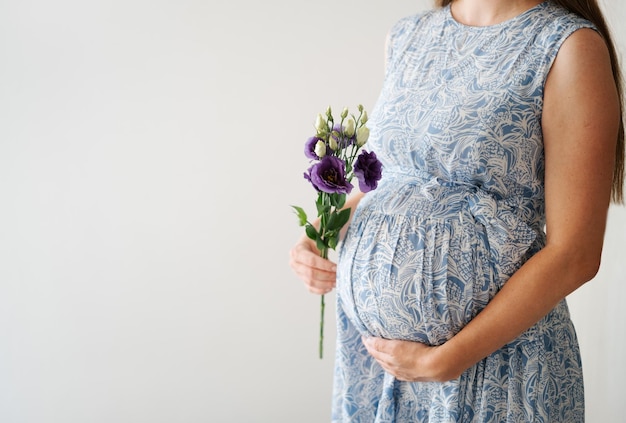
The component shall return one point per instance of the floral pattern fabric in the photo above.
(459, 209)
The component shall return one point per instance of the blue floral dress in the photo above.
(459, 209)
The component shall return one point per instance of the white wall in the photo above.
(149, 152)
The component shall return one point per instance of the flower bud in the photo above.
(320, 149)
(332, 141)
(362, 134)
(329, 113)
(344, 114)
(320, 124)
(360, 108)
(364, 117)
(348, 130)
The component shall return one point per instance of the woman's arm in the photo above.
(318, 274)
(580, 123)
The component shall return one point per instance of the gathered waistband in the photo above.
(510, 234)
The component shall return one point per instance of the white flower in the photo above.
(320, 149)
(348, 130)
(362, 134)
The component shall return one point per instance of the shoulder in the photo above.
(546, 29)
(580, 90)
(584, 44)
(557, 23)
(409, 24)
(583, 55)
(406, 28)
(577, 44)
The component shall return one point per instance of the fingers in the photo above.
(317, 273)
(379, 348)
(376, 347)
(304, 253)
(397, 357)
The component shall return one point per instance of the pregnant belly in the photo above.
(414, 278)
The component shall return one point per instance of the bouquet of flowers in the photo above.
(337, 156)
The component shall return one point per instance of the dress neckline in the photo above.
(504, 23)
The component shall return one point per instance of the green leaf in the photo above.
(320, 244)
(342, 201)
(342, 217)
(322, 209)
(338, 200)
(301, 215)
(331, 223)
(330, 233)
(333, 241)
(322, 205)
(311, 232)
(337, 220)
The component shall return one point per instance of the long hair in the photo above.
(589, 10)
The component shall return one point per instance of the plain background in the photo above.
(149, 152)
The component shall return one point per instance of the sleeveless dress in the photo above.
(459, 209)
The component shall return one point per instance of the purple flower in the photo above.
(309, 148)
(368, 171)
(329, 175)
(343, 140)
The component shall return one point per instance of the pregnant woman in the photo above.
(499, 129)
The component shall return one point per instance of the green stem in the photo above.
(323, 216)
(322, 306)
(324, 254)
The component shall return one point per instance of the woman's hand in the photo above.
(408, 361)
(318, 274)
